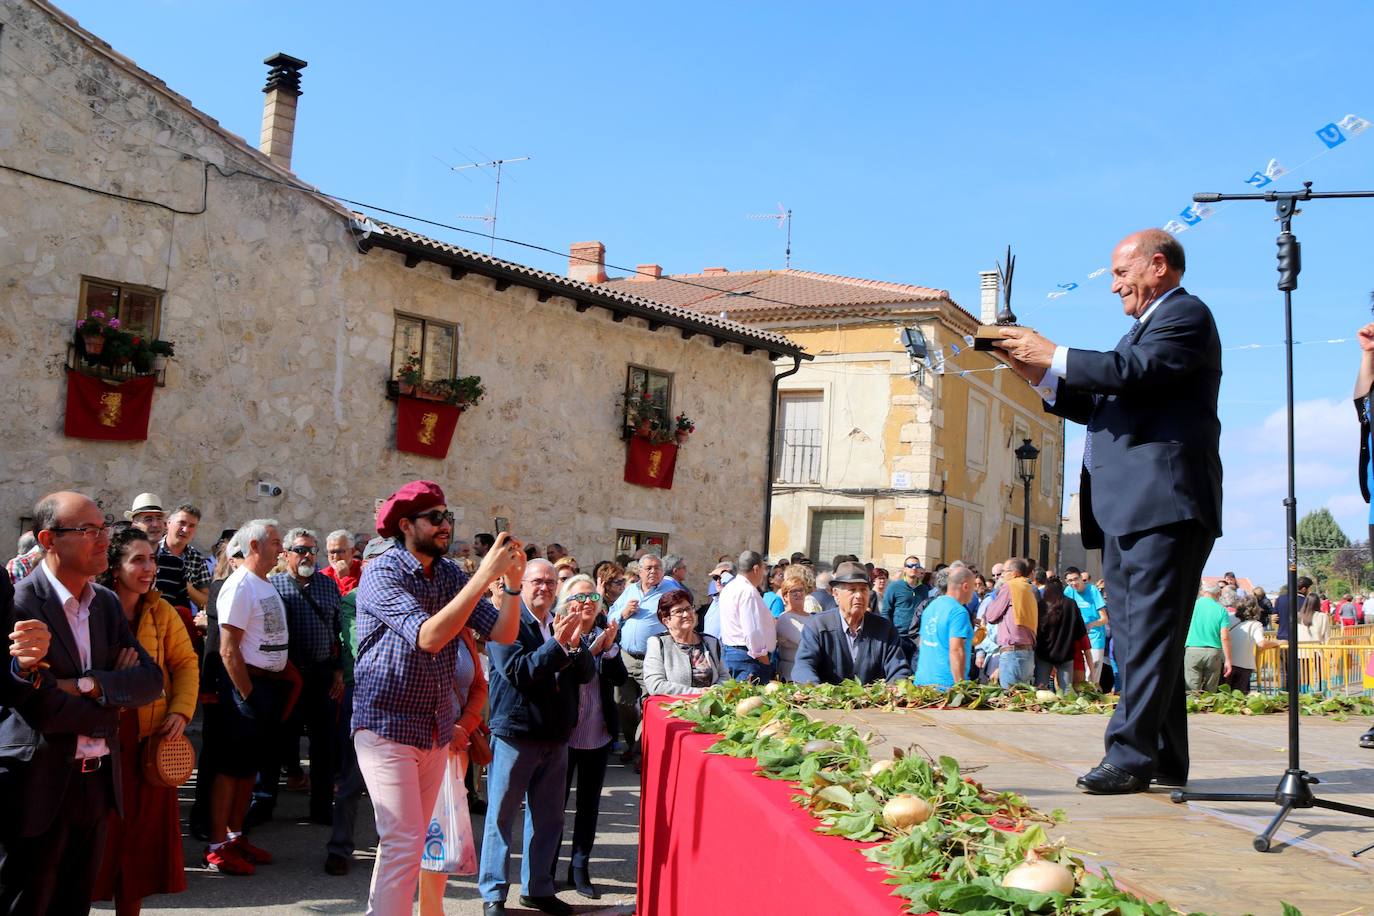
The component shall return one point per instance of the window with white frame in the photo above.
(1048, 469)
(797, 444)
(977, 436)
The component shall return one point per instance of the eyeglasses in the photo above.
(681, 612)
(338, 553)
(89, 532)
(593, 597)
(304, 551)
(435, 517)
(547, 583)
(912, 565)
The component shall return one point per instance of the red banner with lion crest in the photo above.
(99, 409)
(425, 427)
(650, 464)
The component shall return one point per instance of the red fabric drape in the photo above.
(425, 427)
(650, 465)
(714, 838)
(97, 409)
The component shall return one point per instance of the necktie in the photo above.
(1097, 401)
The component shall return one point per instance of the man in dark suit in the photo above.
(534, 690)
(849, 642)
(1151, 490)
(59, 724)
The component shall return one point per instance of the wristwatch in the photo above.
(509, 591)
(85, 685)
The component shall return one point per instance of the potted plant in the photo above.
(466, 391)
(409, 375)
(161, 351)
(91, 332)
(682, 428)
(141, 355)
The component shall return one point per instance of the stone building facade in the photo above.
(285, 308)
(877, 454)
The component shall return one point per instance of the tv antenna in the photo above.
(784, 220)
(490, 218)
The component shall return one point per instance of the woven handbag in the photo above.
(167, 761)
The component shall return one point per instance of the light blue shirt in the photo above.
(1090, 605)
(1048, 389)
(636, 631)
(943, 619)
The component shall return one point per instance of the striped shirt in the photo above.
(400, 691)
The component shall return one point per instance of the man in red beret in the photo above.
(412, 603)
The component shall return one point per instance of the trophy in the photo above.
(988, 334)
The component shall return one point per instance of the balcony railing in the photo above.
(797, 456)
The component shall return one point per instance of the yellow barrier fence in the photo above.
(1334, 667)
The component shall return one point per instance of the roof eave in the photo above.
(415, 252)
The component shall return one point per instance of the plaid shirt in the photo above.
(24, 564)
(400, 691)
(312, 641)
(175, 572)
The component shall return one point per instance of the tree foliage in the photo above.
(1327, 554)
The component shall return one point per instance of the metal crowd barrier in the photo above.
(1340, 666)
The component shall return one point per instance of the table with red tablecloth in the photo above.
(715, 838)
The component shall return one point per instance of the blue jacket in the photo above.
(535, 685)
(823, 656)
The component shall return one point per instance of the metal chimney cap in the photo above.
(285, 73)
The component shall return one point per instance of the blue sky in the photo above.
(913, 142)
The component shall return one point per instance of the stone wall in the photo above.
(283, 331)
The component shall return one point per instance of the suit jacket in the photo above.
(535, 685)
(1153, 403)
(667, 671)
(823, 656)
(39, 724)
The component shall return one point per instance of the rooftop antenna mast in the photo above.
(784, 220)
(490, 219)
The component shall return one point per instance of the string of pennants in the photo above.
(1331, 136)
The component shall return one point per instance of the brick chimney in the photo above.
(714, 271)
(587, 262)
(990, 288)
(279, 110)
(648, 272)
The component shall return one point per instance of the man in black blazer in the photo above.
(847, 641)
(59, 725)
(1150, 489)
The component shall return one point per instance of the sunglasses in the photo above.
(304, 551)
(435, 517)
(592, 597)
(912, 565)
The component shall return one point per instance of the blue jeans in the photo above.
(744, 667)
(534, 771)
(1047, 673)
(1016, 666)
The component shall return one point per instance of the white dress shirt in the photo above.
(1048, 386)
(78, 611)
(744, 618)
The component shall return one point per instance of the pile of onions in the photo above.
(748, 706)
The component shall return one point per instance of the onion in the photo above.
(772, 687)
(773, 729)
(748, 706)
(880, 766)
(1039, 875)
(819, 746)
(1046, 696)
(906, 811)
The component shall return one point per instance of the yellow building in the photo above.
(876, 453)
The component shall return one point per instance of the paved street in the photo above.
(296, 882)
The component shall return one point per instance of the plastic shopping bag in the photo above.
(449, 846)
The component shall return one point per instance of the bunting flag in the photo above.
(425, 427)
(650, 464)
(115, 411)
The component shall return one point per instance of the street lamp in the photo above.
(1026, 455)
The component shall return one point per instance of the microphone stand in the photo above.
(1295, 788)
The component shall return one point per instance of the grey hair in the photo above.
(339, 534)
(539, 562)
(672, 561)
(250, 531)
(941, 581)
(1211, 589)
(301, 533)
(1229, 596)
(748, 560)
(561, 607)
(823, 580)
(27, 542)
(956, 575)
(1017, 565)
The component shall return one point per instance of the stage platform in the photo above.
(1197, 856)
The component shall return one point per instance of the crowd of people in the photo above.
(409, 655)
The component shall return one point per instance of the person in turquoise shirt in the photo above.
(946, 634)
(1094, 611)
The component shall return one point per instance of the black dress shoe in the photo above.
(476, 805)
(336, 865)
(1105, 779)
(550, 904)
(1171, 781)
(1367, 739)
(581, 881)
(493, 908)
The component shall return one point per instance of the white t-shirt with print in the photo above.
(249, 602)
